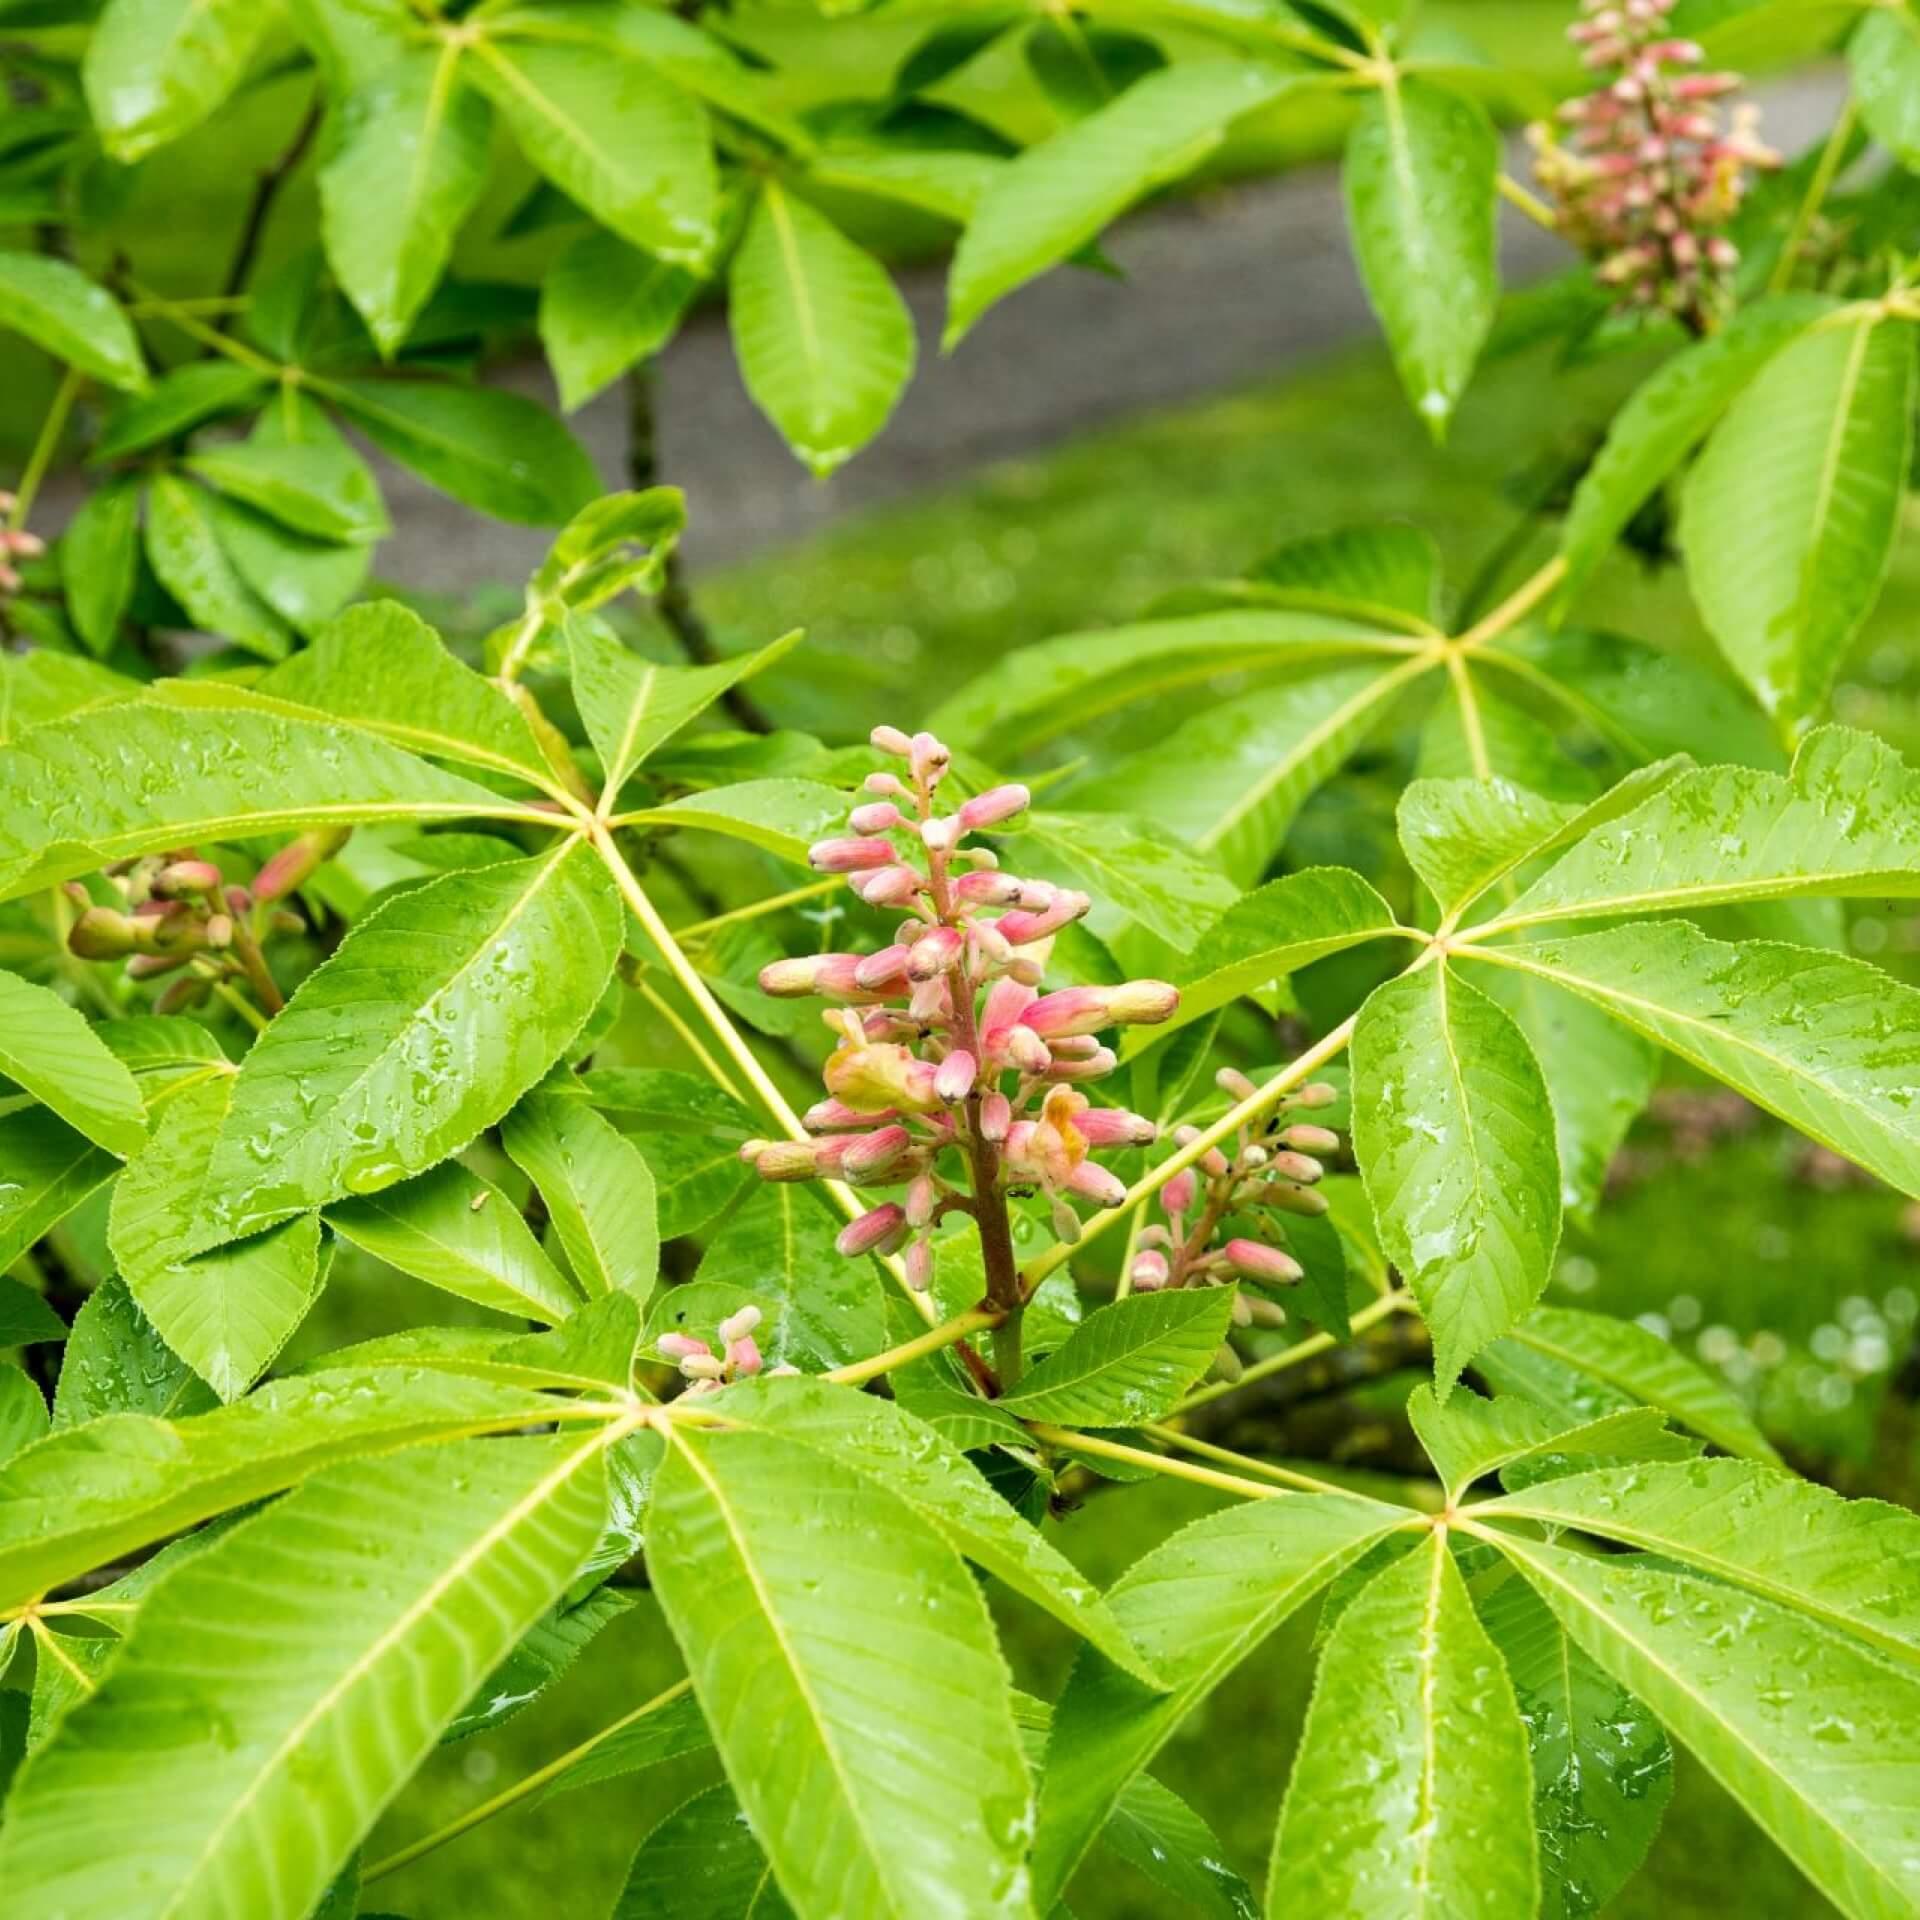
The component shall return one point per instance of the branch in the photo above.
(265, 191)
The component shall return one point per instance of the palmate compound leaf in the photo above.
(1411, 1791)
(630, 704)
(597, 1187)
(1815, 1735)
(132, 778)
(1454, 1131)
(808, 1597)
(51, 1052)
(702, 1863)
(1127, 1363)
(433, 1016)
(155, 69)
(781, 817)
(1602, 1765)
(1195, 1607)
(1789, 515)
(229, 1312)
(1031, 694)
(905, 1455)
(1844, 821)
(100, 1488)
(284, 1684)
(1829, 1044)
(1853, 1565)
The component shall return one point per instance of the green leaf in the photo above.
(409, 161)
(154, 1043)
(785, 817)
(1127, 1363)
(1411, 1791)
(380, 666)
(701, 1863)
(1419, 178)
(598, 1189)
(1469, 1438)
(99, 557)
(420, 1030)
(322, 1646)
(1853, 1565)
(549, 1649)
(316, 487)
(630, 704)
(499, 453)
(1132, 869)
(122, 780)
(1034, 693)
(1154, 1830)
(305, 581)
(604, 306)
(1826, 1043)
(25, 1318)
(53, 1054)
(116, 1362)
(453, 1230)
(1229, 780)
(57, 307)
(1602, 1768)
(1195, 1607)
(1272, 932)
(1082, 67)
(1883, 53)
(184, 546)
(1046, 205)
(1846, 821)
(1790, 513)
(781, 1574)
(155, 69)
(1387, 575)
(179, 399)
(609, 130)
(1816, 1738)
(92, 1491)
(1460, 836)
(663, 1729)
(824, 340)
(23, 1414)
(1452, 1126)
(1667, 416)
(1630, 1364)
(230, 1312)
(351, 40)
(905, 1455)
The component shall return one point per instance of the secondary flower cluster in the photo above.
(1652, 176)
(946, 1043)
(1274, 1170)
(738, 1358)
(179, 910)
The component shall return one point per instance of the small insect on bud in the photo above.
(877, 1231)
(180, 879)
(878, 816)
(954, 1078)
(892, 740)
(1149, 1272)
(1254, 1260)
(1307, 1139)
(682, 1346)
(850, 856)
(990, 808)
(1177, 1195)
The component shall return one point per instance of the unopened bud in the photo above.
(1309, 1202)
(882, 970)
(1090, 1066)
(934, 952)
(1025, 1049)
(1066, 1223)
(1091, 1181)
(954, 1077)
(877, 816)
(1297, 1166)
(782, 1159)
(102, 933)
(850, 856)
(985, 888)
(1021, 927)
(1316, 1093)
(743, 1356)
(180, 879)
(682, 1346)
(919, 1265)
(941, 834)
(703, 1366)
(873, 1156)
(296, 863)
(990, 808)
(996, 1116)
(888, 886)
(1116, 1127)
(877, 1231)
(1177, 1195)
(219, 931)
(1309, 1139)
(736, 1326)
(930, 759)
(1231, 1081)
(1254, 1260)
(1227, 1363)
(1149, 1272)
(835, 1116)
(922, 1197)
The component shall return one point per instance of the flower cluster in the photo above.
(946, 1043)
(738, 1358)
(180, 913)
(1652, 176)
(15, 544)
(1274, 1170)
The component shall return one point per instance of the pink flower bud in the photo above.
(878, 816)
(888, 886)
(179, 879)
(877, 1231)
(872, 1156)
(891, 740)
(1253, 1260)
(887, 783)
(1143, 1003)
(743, 1356)
(934, 952)
(1024, 1049)
(1297, 1166)
(834, 1116)
(1316, 1093)
(930, 1001)
(985, 888)
(930, 759)
(101, 933)
(704, 1367)
(1115, 1127)
(954, 1078)
(1091, 1181)
(922, 1197)
(883, 971)
(996, 1116)
(1177, 1195)
(940, 835)
(1091, 1066)
(990, 808)
(1307, 1139)
(1149, 1272)
(1073, 1010)
(682, 1346)
(295, 864)
(850, 856)
(1021, 927)
(920, 1265)
(782, 1159)
(149, 966)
